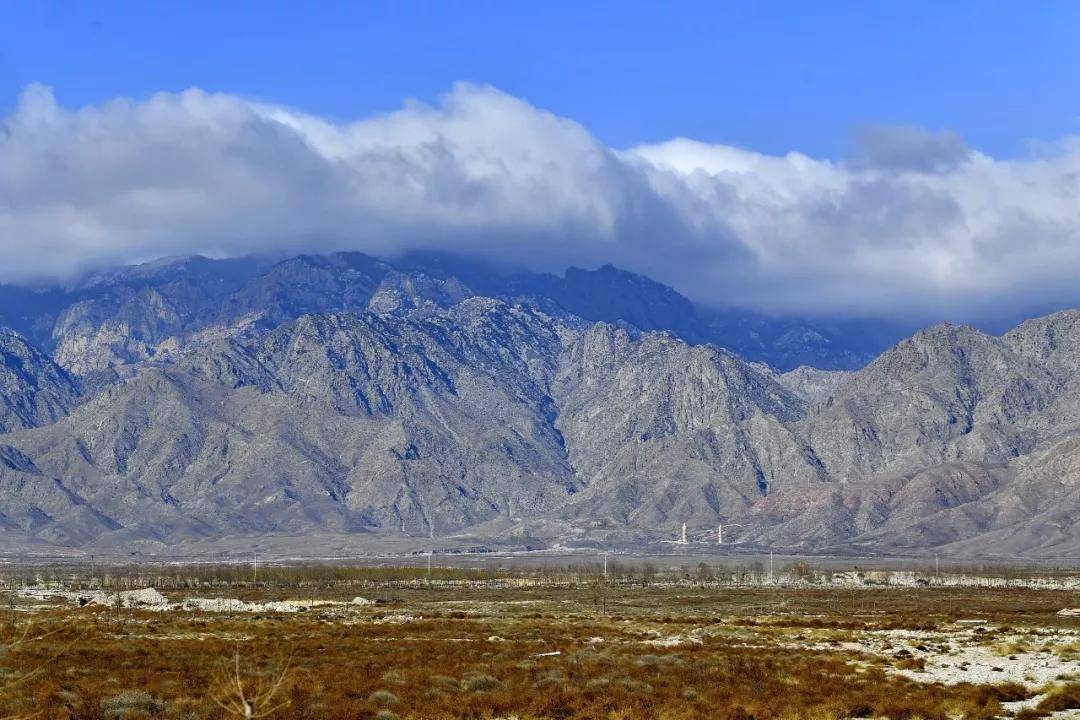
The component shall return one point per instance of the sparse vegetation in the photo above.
(491, 647)
(131, 702)
(383, 697)
(1062, 697)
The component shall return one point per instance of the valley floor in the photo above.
(325, 642)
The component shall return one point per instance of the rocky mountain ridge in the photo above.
(349, 397)
(135, 314)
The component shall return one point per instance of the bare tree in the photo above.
(251, 697)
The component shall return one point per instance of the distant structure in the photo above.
(701, 536)
(720, 532)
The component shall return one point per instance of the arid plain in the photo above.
(642, 641)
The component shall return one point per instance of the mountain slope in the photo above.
(947, 394)
(428, 420)
(339, 423)
(33, 389)
(666, 432)
(347, 395)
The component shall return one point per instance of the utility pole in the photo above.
(603, 587)
(683, 540)
(255, 567)
(770, 567)
(429, 568)
(12, 596)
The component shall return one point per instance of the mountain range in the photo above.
(433, 399)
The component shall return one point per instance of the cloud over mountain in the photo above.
(914, 223)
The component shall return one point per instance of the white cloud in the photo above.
(915, 223)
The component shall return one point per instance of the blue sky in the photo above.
(903, 159)
(770, 76)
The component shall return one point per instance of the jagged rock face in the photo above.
(307, 284)
(150, 311)
(135, 314)
(1052, 341)
(813, 384)
(661, 431)
(33, 389)
(949, 393)
(403, 292)
(127, 327)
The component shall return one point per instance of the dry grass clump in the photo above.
(1064, 697)
(984, 702)
(910, 663)
(1058, 698)
(480, 682)
(552, 679)
(1067, 651)
(131, 702)
(383, 697)
(1011, 647)
(394, 677)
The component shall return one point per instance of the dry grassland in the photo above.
(580, 650)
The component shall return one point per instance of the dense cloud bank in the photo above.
(914, 223)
